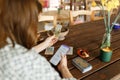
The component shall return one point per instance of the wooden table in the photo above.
(89, 36)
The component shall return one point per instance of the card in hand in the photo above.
(70, 52)
(57, 30)
(49, 51)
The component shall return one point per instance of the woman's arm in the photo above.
(66, 73)
(47, 43)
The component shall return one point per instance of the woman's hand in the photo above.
(51, 40)
(62, 67)
(47, 43)
(63, 63)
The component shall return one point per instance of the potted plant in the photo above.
(105, 49)
(59, 31)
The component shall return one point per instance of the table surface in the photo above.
(89, 36)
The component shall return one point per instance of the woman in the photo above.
(19, 58)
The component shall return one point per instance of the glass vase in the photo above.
(106, 42)
(58, 11)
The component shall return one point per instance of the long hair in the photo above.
(18, 21)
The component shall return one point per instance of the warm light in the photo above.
(107, 49)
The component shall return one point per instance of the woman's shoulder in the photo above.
(19, 52)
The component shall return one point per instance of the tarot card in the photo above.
(82, 64)
(49, 51)
(70, 52)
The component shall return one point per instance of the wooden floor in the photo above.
(89, 36)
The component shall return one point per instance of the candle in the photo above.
(107, 49)
(105, 54)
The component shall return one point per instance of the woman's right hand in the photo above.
(63, 63)
(63, 68)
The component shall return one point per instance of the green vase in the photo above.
(58, 11)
